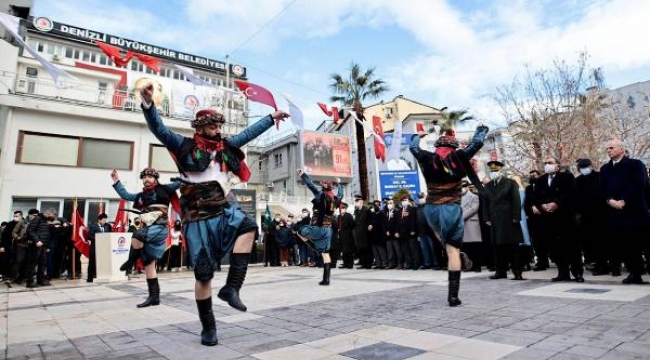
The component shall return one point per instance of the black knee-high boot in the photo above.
(134, 255)
(454, 287)
(209, 332)
(154, 294)
(326, 274)
(236, 275)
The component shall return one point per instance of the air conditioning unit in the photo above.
(56, 57)
(270, 185)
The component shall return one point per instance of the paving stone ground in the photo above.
(363, 314)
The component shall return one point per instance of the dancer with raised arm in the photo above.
(148, 243)
(209, 165)
(443, 172)
(319, 232)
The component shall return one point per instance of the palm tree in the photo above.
(452, 118)
(352, 91)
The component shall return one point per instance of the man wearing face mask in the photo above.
(391, 218)
(554, 199)
(590, 211)
(38, 240)
(361, 228)
(502, 212)
(406, 233)
(377, 236)
(346, 227)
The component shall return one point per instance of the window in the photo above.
(31, 72)
(102, 86)
(68, 52)
(106, 154)
(177, 74)
(85, 56)
(39, 46)
(76, 54)
(103, 60)
(134, 65)
(47, 149)
(160, 159)
(278, 160)
(50, 49)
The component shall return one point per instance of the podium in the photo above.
(111, 251)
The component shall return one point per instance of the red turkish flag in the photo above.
(113, 53)
(121, 222)
(332, 113)
(80, 234)
(256, 93)
(380, 149)
(149, 61)
(419, 127)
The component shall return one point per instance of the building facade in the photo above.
(59, 144)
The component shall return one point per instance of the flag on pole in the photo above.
(367, 128)
(256, 93)
(80, 233)
(121, 223)
(11, 24)
(380, 149)
(295, 114)
(393, 151)
(268, 219)
(189, 75)
(100, 208)
(333, 112)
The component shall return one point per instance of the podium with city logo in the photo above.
(111, 251)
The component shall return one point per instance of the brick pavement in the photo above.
(364, 314)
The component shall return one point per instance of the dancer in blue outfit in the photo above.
(209, 165)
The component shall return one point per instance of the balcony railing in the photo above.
(108, 98)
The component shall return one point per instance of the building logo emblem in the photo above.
(191, 102)
(43, 24)
(237, 70)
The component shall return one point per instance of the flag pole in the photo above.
(74, 249)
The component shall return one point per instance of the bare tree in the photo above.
(550, 112)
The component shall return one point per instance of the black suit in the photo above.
(92, 262)
(558, 227)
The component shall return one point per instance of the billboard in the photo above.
(326, 155)
(396, 174)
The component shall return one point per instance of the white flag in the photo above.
(189, 74)
(11, 24)
(295, 114)
(393, 151)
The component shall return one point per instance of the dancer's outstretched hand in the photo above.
(115, 176)
(146, 92)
